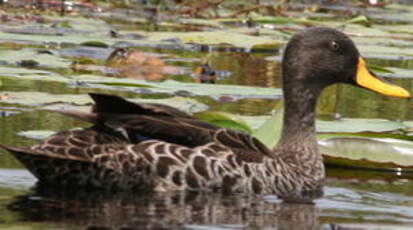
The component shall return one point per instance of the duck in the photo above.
(151, 147)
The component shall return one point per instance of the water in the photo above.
(48, 209)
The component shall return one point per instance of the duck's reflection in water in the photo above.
(97, 210)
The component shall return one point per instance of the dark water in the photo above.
(50, 209)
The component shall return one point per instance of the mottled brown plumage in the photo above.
(156, 147)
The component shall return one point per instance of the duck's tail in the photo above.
(12, 148)
(53, 169)
(20, 153)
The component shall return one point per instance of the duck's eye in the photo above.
(334, 45)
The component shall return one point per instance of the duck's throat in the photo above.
(299, 117)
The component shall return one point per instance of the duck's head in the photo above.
(318, 57)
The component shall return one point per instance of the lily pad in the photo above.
(44, 59)
(95, 44)
(215, 38)
(73, 101)
(224, 119)
(373, 153)
(142, 86)
(353, 125)
(269, 132)
(399, 73)
(14, 71)
(39, 98)
(200, 22)
(184, 88)
(36, 134)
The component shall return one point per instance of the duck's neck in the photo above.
(298, 133)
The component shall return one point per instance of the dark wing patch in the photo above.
(181, 131)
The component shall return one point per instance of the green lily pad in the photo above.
(224, 119)
(61, 101)
(275, 20)
(357, 19)
(399, 73)
(378, 69)
(95, 44)
(39, 98)
(44, 59)
(168, 86)
(353, 125)
(200, 22)
(36, 134)
(175, 87)
(373, 153)
(215, 38)
(269, 132)
(14, 71)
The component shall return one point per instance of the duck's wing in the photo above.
(188, 132)
(156, 121)
(183, 131)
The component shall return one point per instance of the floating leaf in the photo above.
(352, 125)
(283, 20)
(186, 88)
(269, 132)
(223, 119)
(200, 22)
(95, 44)
(215, 38)
(43, 59)
(60, 101)
(39, 98)
(378, 69)
(399, 73)
(357, 19)
(373, 153)
(36, 134)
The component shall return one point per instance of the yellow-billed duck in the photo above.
(155, 147)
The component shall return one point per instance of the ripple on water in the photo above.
(351, 204)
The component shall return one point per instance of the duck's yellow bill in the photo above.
(367, 80)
